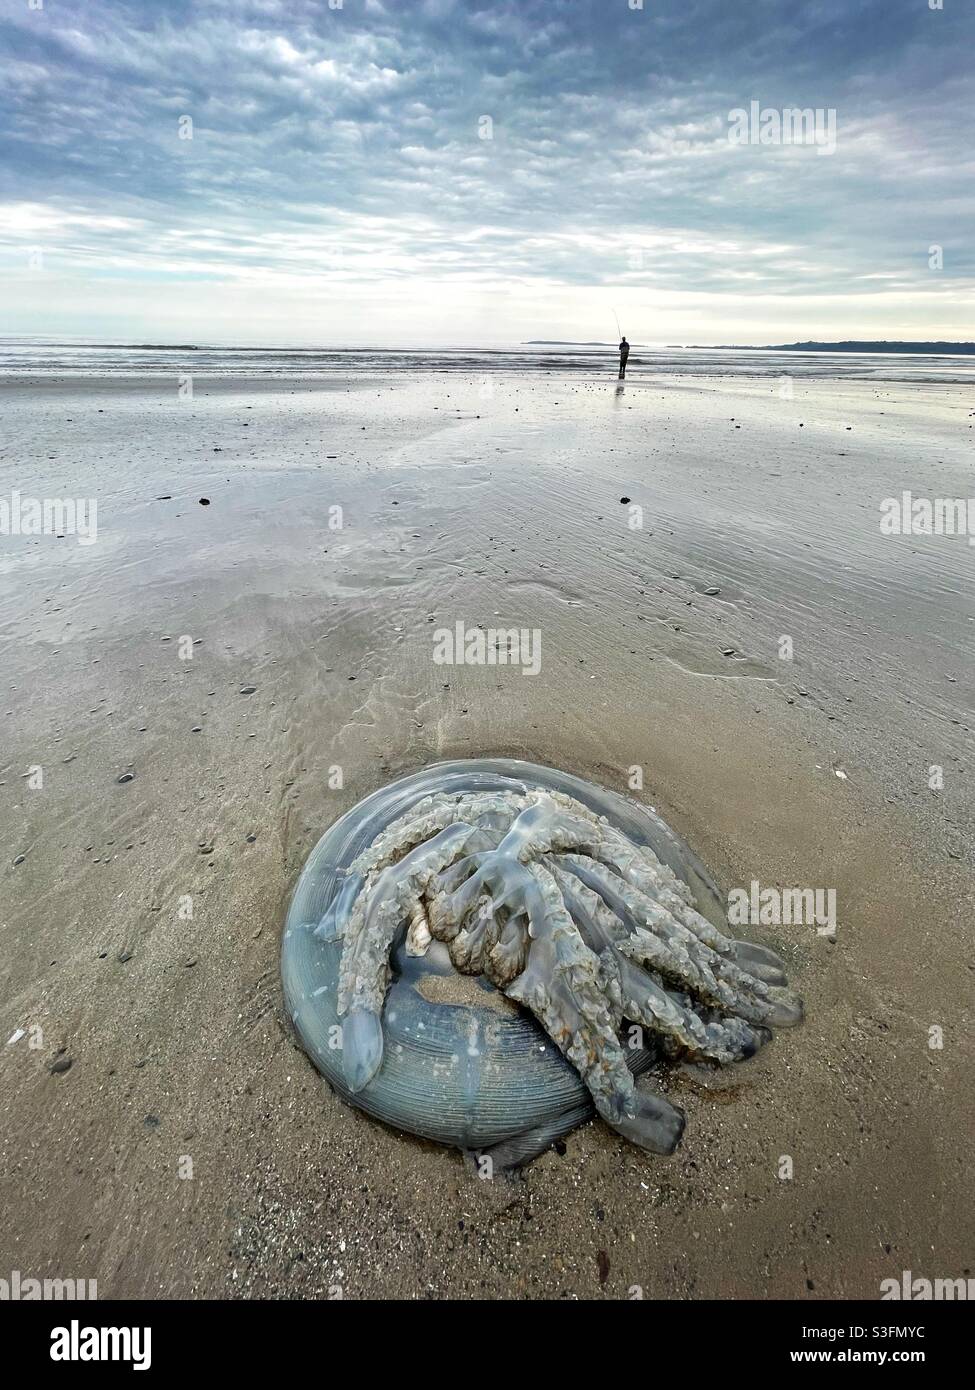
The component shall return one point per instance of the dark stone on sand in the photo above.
(624, 499)
(19, 860)
(60, 1065)
(127, 777)
(204, 501)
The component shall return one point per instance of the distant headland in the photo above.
(854, 345)
(849, 345)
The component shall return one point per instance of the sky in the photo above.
(483, 172)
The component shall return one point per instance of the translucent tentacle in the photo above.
(470, 948)
(561, 985)
(666, 945)
(642, 996)
(428, 816)
(364, 971)
(564, 987)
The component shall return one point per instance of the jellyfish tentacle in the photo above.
(364, 972)
(653, 1123)
(481, 844)
(713, 989)
(642, 995)
(561, 986)
(509, 956)
(564, 987)
(659, 940)
(544, 827)
(645, 999)
(471, 947)
(760, 961)
(419, 935)
(640, 868)
(600, 926)
(423, 820)
(333, 923)
(581, 831)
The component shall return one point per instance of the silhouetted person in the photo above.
(624, 354)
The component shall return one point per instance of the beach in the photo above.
(716, 606)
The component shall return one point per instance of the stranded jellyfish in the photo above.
(471, 951)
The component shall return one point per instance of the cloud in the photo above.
(544, 148)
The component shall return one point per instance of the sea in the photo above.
(81, 357)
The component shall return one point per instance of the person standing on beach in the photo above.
(624, 354)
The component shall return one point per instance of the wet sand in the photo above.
(494, 501)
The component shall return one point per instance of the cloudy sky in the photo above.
(461, 172)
